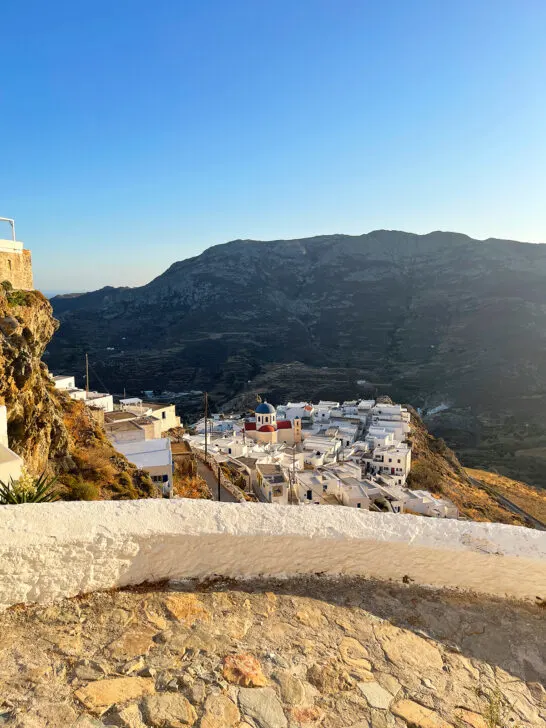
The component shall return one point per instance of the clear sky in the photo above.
(136, 133)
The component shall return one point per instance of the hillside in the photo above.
(438, 320)
(532, 500)
(53, 433)
(435, 468)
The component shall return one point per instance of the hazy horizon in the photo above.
(256, 121)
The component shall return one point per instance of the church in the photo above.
(266, 428)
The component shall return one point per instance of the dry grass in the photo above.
(191, 487)
(532, 500)
(435, 468)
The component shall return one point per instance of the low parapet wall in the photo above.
(53, 550)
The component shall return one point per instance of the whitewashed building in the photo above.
(165, 413)
(421, 501)
(153, 456)
(272, 485)
(100, 400)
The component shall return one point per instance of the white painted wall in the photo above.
(53, 550)
(11, 246)
(68, 382)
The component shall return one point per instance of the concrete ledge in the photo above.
(50, 551)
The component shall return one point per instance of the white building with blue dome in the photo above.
(267, 429)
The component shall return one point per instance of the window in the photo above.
(157, 478)
(398, 460)
(229, 451)
(390, 460)
(164, 415)
(358, 505)
(309, 495)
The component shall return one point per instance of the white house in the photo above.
(64, 381)
(11, 465)
(100, 400)
(421, 501)
(153, 456)
(302, 410)
(272, 485)
(317, 487)
(392, 460)
(165, 413)
(354, 495)
(319, 450)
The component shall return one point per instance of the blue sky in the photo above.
(139, 133)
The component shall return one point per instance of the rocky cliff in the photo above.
(451, 324)
(49, 430)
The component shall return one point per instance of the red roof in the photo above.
(266, 428)
(250, 425)
(284, 425)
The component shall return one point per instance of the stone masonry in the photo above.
(16, 267)
(299, 653)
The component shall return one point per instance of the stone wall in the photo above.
(226, 483)
(16, 268)
(53, 550)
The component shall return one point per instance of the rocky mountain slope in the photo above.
(439, 320)
(50, 431)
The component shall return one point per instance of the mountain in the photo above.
(455, 326)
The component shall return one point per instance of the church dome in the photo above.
(264, 408)
(266, 428)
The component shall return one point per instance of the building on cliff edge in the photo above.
(15, 262)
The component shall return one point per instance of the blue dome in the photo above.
(264, 408)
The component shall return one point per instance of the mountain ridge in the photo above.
(429, 319)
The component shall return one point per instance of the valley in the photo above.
(437, 319)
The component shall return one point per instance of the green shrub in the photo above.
(76, 488)
(17, 298)
(126, 480)
(6, 285)
(145, 485)
(124, 492)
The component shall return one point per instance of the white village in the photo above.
(355, 453)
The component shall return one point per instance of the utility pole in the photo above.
(293, 479)
(87, 374)
(206, 428)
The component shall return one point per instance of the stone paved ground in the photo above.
(347, 653)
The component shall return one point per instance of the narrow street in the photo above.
(182, 449)
(210, 478)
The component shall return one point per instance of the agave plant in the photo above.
(27, 489)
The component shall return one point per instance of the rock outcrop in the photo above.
(35, 412)
(50, 431)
